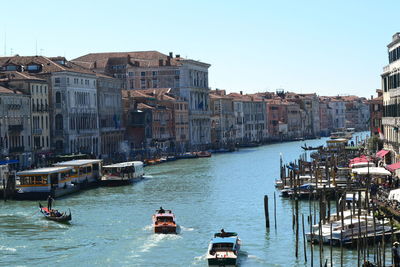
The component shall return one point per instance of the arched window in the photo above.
(59, 122)
(58, 97)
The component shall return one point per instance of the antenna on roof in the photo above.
(5, 42)
(36, 49)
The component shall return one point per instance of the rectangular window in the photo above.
(143, 73)
(130, 74)
(57, 81)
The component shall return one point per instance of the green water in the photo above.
(112, 226)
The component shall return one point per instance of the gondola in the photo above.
(55, 215)
(311, 148)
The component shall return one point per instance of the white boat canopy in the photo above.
(394, 194)
(371, 171)
(362, 164)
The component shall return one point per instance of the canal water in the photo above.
(112, 226)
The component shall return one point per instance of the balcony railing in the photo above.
(15, 128)
(37, 131)
(16, 149)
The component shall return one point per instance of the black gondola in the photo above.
(55, 215)
(312, 148)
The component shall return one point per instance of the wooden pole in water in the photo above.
(330, 244)
(297, 223)
(320, 242)
(304, 238)
(391, 236)
(275, 210)
(374, 223)
(343, 202)
(383, 247)
(312, 236)
(266, 211)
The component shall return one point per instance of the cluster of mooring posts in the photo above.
(346, 202)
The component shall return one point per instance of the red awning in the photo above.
(362, 158)
(393, 167)
(381, 153)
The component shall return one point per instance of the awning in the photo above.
(371, 171)
(362, 158)
(382, 153)
(393, 167)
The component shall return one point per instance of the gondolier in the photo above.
(49, 202)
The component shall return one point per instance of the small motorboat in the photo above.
(223, 249)
(164, 222)
(55, 215)
(203, 154)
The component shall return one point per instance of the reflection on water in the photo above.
(112, 225)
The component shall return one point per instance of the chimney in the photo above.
(161, 62)
(171, 55)
(241, 92)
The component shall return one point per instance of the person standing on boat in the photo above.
(161, 210)
(49, 202)
(396, 254)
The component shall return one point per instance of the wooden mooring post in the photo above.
(275, 210)
(266, 211)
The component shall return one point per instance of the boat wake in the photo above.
(147, 176)
(4, 248)
(153, 241)
(199, 259)
(148, 228)
(186, 229)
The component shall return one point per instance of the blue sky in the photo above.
(328, 47)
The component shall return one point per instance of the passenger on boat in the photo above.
(223, 233)
(161, 210)
(396, 254)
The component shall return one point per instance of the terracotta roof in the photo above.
(145, 59)
(5, 90)
(16, 75)
(144, 106)
(48, 65)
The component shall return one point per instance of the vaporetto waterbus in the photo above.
(122, 173)
(85, 171)
(39, 183)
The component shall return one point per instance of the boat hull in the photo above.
(42, 195)
(165, 229)
(222, 261)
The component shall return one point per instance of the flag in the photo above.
(381, 136)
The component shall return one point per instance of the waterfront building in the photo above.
(38, 91)
(309, 103)
(275, 116)
(376, 113)
(72, 100)
(109, 101)
(337, 110)
(222, 119)
(391, 99)
(325, 117)
(252, 114)
(151, 69)
(15, 126)
(356, 113)
(152, 120)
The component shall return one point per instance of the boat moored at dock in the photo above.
(223, 249)
(85, 171)
(122, 173)
(39, 183)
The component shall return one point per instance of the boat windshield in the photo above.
(165, 219)
(222, 247)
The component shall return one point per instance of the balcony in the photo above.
(16, 149)
(37, 131)
(386, 68)
(390, 121)
(394, 92)
(58, 132)
(15, 128)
